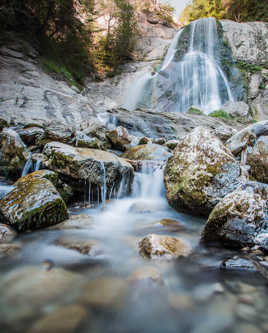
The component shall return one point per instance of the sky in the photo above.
(179, 5)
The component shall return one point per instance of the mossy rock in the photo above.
(200, 172)
(46, 174)
(237, 217)
(34, 203)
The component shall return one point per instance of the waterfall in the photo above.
(103, 185)
(28, 165)
(149, 182)
(190, 74)
(199, 74)
(37, 165)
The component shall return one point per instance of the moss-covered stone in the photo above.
(13, 152)
(46, 174)
(33, 203)
(200, 172)
(119, 138)
(237, 217)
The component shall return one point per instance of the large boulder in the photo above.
(12, 151)
(33, 203)
(147, 152)
(200, 172)
(238, 217)
(236, 109)
(96, 168)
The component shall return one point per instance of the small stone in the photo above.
(105, 292)
(155, 246)
(65, 320)
(6, 233)
(180, 301)
(146, 273)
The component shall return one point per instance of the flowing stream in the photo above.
(120, 290)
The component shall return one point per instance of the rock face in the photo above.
(236, 109)
(79, 165)
(155, 246)
(238, 217)
(248, 41)
(34, 203)
(200, 172)
(12, 153)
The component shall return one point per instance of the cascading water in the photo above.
(28, 166)
(190, 75)
(37, 165)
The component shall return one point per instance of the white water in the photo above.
(196, 80)
(37, 165)
(28, 166)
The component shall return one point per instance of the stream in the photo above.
(118, 289)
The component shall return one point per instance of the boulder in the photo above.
(119, 137)
(247, 137)
(84, 141)
(30, 135)
(257, 159)
(236, 109)
(97, 168)
(33, 203)
(147, 152)
(57, 132)
(200, 172)
(95, 129)
(238, 217)
(28, 288)
(12, 151)
(67, 319)
(154, 247)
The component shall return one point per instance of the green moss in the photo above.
(193, 110)
(245, 66)
(220, 114)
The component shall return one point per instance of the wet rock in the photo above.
(119, 137)
(57, 132)
(84, 141)
(64, 320)
(247, 137)
(262, 240)
(171, 144)
(144, 141)
(146, 273)
(13, 151)
(237, 217)
(81, 221)
(34, 203)
(3, 124)
(26, 289)
(180, 301)
(78, 166)
(83, 246)
(147, 152)
(30, 135)
(172, 225)
(44, 174)
(236, 109)
(7, 234)
(159, 141)
(95, 128)
(105, 292)
(238, 264)
(155, 246)
(257, 159)
(200, 172)
(9, 249)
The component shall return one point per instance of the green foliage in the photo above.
(117, 45)
(193, 110)
(237, 10)
(220, 114)
(166, 13)
(245, 66)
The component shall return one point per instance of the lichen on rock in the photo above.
(200, 172)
